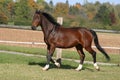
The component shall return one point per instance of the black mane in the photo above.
(51, 19)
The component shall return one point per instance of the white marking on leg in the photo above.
(96, 66)
(46, 67)
(57, 64)
(79, 67)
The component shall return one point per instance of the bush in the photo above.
(21, 22)
(3, 19)
(116, 27)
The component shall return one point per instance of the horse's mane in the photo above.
(50, 18)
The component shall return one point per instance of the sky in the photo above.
(72, 2)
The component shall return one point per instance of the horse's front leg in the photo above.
(50, 51)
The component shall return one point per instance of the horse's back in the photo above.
(74, 36)
(76, 31)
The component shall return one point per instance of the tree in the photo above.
(77, 10)
(51, 3)
(61, 9)
(51, 6)
(3, 18)
(11, 10)
(103, 15)
(73, 10)
(32, 4)
(22, 10)
(4, 11)
(22, 13)
(91, 10)
(48, 7)
(78, 5)
(112, 17)
(67, 2)
(117, 10)
(40, 4)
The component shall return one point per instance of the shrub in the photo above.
(24, 23)
(3, 19)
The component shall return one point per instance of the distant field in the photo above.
(18, 67)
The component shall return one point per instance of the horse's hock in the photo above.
(19, 35)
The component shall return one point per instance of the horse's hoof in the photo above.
(45, 68)
(78, 69)
(98, 69)
(57, 64)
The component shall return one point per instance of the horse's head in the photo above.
(36, 20)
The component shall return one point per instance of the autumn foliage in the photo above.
(92, 15)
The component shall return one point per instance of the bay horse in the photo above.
(56, 36)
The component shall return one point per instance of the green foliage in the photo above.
(3, 15)
(61, 9)
(3, 19)
(73, 10)
(22, 10)
(22, 22)
(48, 7)
(103, 15)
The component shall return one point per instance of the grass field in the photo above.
(115, 58)
(18, 67)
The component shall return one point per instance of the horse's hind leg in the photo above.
(82, 57)
(93, 53)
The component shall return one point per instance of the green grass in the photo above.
(19, 67)
(17, 59)
(115, 58)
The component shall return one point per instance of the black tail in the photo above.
(98, 45)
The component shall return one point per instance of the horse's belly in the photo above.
(66, 44)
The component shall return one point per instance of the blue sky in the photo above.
(82, 1)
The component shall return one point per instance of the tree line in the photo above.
(91, 15)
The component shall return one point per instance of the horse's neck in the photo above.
(47, 27)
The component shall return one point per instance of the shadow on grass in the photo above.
(63, 66)
(42, 64)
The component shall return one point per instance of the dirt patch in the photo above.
(105, 39)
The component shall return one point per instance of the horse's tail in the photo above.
(98, 45)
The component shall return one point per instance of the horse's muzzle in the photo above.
(33, 28)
